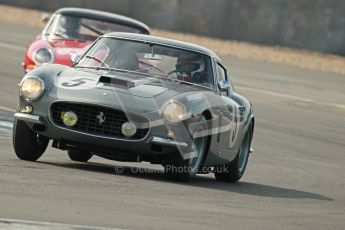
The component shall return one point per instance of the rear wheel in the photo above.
(179, 169)
(27, 144)
(79, 155)
(233, 171)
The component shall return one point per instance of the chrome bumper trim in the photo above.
(29, 118)
(165, 141)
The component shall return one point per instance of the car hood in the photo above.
(69, 44)
(64, 49)
(135, 84)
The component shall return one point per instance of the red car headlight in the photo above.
(43, 55)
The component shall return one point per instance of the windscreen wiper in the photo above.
(98, 60)
(92, 29)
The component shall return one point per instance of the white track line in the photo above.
(3, 108)
(12, 46)
(11, 224)
(6, 124)
(292, 97)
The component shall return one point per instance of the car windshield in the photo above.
(153, 59)
(83, 29)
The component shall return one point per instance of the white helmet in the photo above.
(189, 64)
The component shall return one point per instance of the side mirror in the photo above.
(45, 18)
(75, 59)
(223, 85)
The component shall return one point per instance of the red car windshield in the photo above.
(83, 29)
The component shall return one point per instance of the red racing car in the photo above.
(71, 31)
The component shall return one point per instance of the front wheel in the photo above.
(79, 155)
(233, 171)
(27, 144)
(180, 169)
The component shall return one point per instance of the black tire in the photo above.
(178, 169)
(234, 171)
(27, 144)
(79, 155)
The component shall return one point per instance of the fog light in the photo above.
(27, 109)
(69, 118)
(170, 134)
(128, 129)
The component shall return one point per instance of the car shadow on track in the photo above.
(257, 189)
(242, 187)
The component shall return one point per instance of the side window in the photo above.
(221, 74)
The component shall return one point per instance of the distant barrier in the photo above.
(309, 24)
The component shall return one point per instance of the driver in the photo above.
(126, 59)
(69, 25)
(191, 68)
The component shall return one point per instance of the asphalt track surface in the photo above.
(294, 179)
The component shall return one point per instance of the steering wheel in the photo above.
(150, 65)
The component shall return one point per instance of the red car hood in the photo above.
(64, 49)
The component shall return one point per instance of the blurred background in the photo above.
(317, 25)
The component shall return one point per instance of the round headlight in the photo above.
(31, 88)
(43, 55)
(174, 112)
(128, 129)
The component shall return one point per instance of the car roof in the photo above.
(104, 16)
(163, 41)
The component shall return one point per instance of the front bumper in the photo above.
(150, 145)
(34, 119)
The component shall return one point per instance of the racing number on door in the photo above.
(234, 125)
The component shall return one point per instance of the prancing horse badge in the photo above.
(101, 118)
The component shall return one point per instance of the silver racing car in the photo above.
(134, 97)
